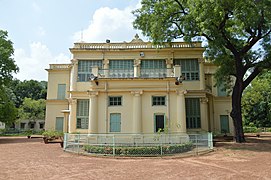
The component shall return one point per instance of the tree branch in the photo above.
(181, 6)
(251, 77)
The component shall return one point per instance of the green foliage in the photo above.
(7, 64)
(32, 109)
(141, 150)
(256, 102)
(28, 89)
(8, 111)
(52, 134)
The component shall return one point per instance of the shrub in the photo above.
(52, 134)
(142, 150)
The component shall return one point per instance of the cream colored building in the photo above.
(136, 87)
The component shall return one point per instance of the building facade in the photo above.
(136, 87)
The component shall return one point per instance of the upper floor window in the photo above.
(189, 67)
(115, 101)
(121, 68)
(221, 90)
(192, 108)
(153, 68)
(158, 100)
(61, 91)
(85, 68)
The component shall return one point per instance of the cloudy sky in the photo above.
(43, 30)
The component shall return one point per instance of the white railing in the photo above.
(141, 45)
(137, 144)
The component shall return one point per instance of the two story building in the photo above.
(136, 87)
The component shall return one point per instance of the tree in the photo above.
(237, 35)
(32, 109)
(8, 111)
(7, 64)
(28, 89)
(256, 102)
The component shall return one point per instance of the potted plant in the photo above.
(52, 135)
(29, 133)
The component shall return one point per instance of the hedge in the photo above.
(142, 150)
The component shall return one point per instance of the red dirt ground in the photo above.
(27, 159)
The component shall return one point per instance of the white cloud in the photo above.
(33, 65)
(106, 23)
(41, 31)
(36, 7)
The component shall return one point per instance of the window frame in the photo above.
(117, 101)
(159, 101)
(193, 114)
(111, 130)
(82, 114)
(61, 91)
(84, 69)
(189, 68)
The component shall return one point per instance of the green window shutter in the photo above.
(192, 108)
(59, 124)
(115, 122)
(82, 114)
(224, 124)
(61, 91)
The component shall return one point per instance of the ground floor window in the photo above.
(82, 114)
(59, 124)
(115, 122)
(224, 124)
(159, 120)
(22, 126)
(41, 125)
(192, 109)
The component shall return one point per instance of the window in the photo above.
(82, 114)
(189, 67)
(41, 125)
(153, 68)
(158, 100)
(159, 123)
(22, 125)
(115, 101)
(221, 91)
(59, 124)
(115, 122)
(85, 68)
(121, 68)
(224, 124)
(61, 91)
(192, 108)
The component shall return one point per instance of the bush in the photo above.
(52, 134)
(142, 150)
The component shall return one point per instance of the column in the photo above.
(137, 67)
(169, 63)
(93, 112)
(201, 74)
(204, 113)
(72, 116)
(106, 68)
(137, 112)
(66, 120)
(74, 75)
(181, 114)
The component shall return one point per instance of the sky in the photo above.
(42, 31)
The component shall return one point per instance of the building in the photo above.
(136, 87)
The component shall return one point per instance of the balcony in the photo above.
(130, 73)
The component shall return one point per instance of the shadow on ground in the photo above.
(253, 143)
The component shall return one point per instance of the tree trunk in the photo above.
(236, 112)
